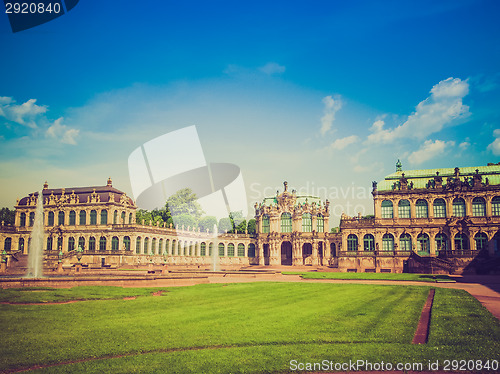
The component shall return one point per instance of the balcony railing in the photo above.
(374, 253)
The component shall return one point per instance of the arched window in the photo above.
(32, 218)
(92, 244)
(167, 247)
(115, 217)
(104, 217)
(72, 218)
(421, 209)
(210, 248)
(22, 220)
(20, 246)
(7, 244)
(387, 209)
(241, 250)
(368, 242)
(459, 207)
(59, 243)
(251, 250)
(203, 249)
(102, 243)
(286, 222)
(126, 242)
(221, 249)
(115, 243)
(320, 223)
(265, 224)
(93, 217)
(130, 218)
(83, 217)
(478, 207)
(50, 219)
(439, 208)
(230, 250)
(388, 242)
(49, 243)
(71, 244)
(306, 222)
(405, 242)
(495, 206)
(81, 242)
(461, 242)
(441, 242)
(481, 240)
(60, 218)
(138, 245)
(153, 246)
(352, 242)
(423, 243)
(123, 218)
(146, 246)
(160, 247)
(404, 209)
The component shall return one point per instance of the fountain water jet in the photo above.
(35, 249)
(215, 252)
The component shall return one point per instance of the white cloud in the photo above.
(344, 142)
(272, 68)
(441, 108)
(429, 150)
(23, 114)
(495, 146)
(62, 132)
(332, 106)
(464, 145)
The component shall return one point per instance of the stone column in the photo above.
(468, 206)
(260, 249)
(449, 206)
(315, 261)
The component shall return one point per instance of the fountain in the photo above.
(215, 252)
(35, 249)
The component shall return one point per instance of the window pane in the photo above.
(439, 208)
(404, 209)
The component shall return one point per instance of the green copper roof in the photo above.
(421, 178)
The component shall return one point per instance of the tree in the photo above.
(207, 222)
(7, 216)
(252, 226)
(185, 220)
(238, 222)
(225, 225)
(184, 201)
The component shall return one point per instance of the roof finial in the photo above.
(399, 166)
(110, 183)
(285, 183)
(45, 186)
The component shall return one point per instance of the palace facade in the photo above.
(435, 220)
(102, 222)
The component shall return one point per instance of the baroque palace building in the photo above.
(101, 221)
(436, 220)
(447, 216)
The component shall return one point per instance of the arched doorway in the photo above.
(266, 254)
(286, 253)
(307, 251)
(333, 250)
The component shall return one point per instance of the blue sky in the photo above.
(324, 94)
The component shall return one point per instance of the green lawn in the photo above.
(243, 328)
(371, 276)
